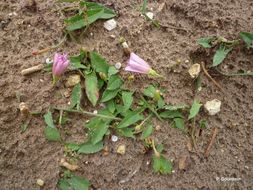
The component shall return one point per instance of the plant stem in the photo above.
(87, 113)
(150, 108)
(157, 154)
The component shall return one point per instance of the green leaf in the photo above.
(206, 42)
(76, 61)
(114, 82)
(247, 38)
(108, 95)
(176, 107)
(179, 123)
(159, 148)
(63, 184)
(76, 96)
(98, 129)
(161, 103)
(149, 91)
(89, 148)
(72, 146)
(147, 132)
(91, 87)
(112, 71)
(52, 134)
(127, 98)
(220, 55)
(110, 105)
(162, 165)
(144, 7)
(79, 183)
(194, 109)
(49, 119)
(98, 63)
(130, 119)
(202, 124)
(170, 114)
(126, 132)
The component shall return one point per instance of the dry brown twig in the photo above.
(211, 78)
(214, 134)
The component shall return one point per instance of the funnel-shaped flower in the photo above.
(138, 65)
(60, 64)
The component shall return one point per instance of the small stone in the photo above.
(73, 80)
(150, 15)
(24, 109)
(95, 111)
(157, 127)
(110, 24)
(182, 162)
(114, 138)
(213, 106)
(40, 182)
(113, 36)
(173, 171)
(118, 65)
(67, 94)
(222, 150)
(187, 61)
(246, 167)
(49, 61)
(91, 34)
(121, 149)
(194, 70)
(41, 80)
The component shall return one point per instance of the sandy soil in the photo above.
(25, 157)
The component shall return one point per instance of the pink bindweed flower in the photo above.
(60, 64)
(138, 65)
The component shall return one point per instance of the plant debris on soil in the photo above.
(102, 127)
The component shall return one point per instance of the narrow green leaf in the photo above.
(76, 61)
(194, 109)
(76, 96)
(162, 165)
(179, 123)
(127, 98)
(147, 132)
(149, 91)
(130, 119)
(89, 148)
(170, 114)
(109, 94)
(206, 42)
(49, 119)
(114, 82)
(79, 183)
(247, 38)
(220, 55)
(99, 63)
(91, 87)
(52, 134)
(160, 103)
(175, 107)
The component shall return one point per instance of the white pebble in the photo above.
(118, 65)
(40, 182)
(173, 171)
(110, 24)
(213, 106)
(150, 15)
(91, 34)
(194, 70)
(114, 138)
(95, 111)
(49, 61)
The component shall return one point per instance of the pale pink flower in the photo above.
(138, 65)
(60, 64)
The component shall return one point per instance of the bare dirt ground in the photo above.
(25, 157)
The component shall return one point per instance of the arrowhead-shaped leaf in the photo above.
(91, 87)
